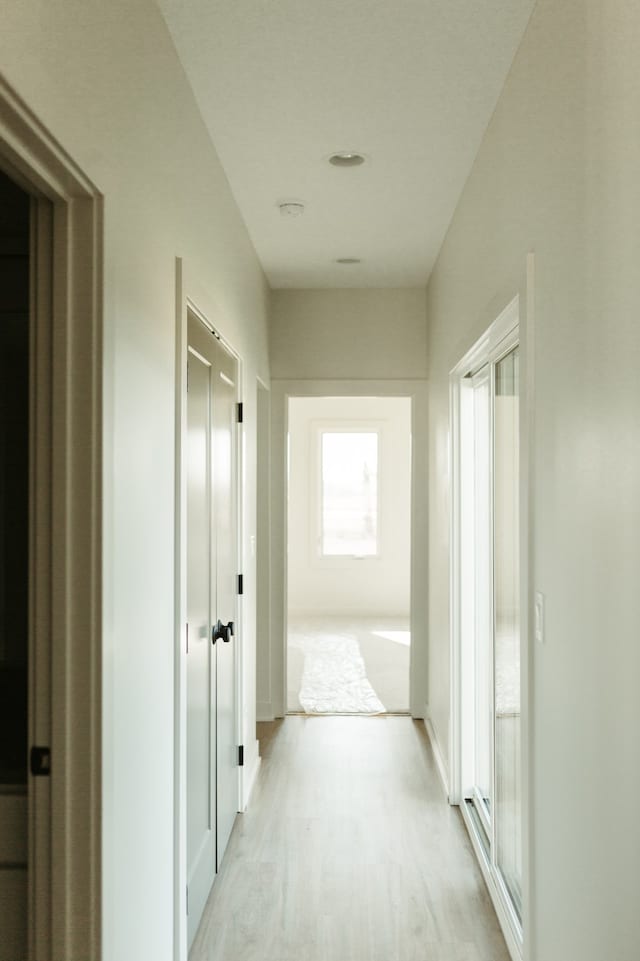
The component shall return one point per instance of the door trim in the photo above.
(281, 391)
(65, 865)
(193, 297)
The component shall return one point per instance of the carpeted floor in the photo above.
(340, 665)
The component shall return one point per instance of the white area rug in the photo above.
(334, 679)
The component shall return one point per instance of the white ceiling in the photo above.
(282, 84)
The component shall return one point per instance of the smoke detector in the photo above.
(347, 158)
(291, 208)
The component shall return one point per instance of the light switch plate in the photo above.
(538, 617)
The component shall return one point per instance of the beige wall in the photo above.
(317, 334)
(557, 174)
(105, 80)
(346, 585)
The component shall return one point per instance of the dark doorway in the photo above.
(14, 563)
(14, 480)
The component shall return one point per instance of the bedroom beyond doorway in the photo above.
(349, 509)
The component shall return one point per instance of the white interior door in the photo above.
(212, 776)
(226, 534)
(201, 663)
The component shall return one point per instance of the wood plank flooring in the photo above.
(348, 852)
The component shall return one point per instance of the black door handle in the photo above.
(222, 632)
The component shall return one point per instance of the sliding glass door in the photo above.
(488, 590)
(506, 622)
(483, 649)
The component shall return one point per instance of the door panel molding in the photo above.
(65, 864)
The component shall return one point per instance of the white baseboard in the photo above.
(264, 711)
(437, 752)
(249, 774)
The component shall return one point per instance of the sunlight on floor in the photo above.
(399, 637)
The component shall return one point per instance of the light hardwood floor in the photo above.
(348, 852)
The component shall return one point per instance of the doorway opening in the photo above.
(14, 562)
(50, 546)
(348, 555)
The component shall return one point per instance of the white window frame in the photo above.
(330, 426)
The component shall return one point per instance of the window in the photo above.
(349, 493)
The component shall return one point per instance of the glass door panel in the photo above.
(506, 604)
(483, 686)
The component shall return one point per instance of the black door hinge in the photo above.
(241, 756)
(240, 584)
(240, 413)
(40, 761)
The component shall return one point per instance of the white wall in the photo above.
(557, 174)
(263, 567)
(346, 585)
(105, 80)
(348, 334)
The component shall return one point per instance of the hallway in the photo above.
(348, 852)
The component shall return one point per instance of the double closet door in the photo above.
(212, 533)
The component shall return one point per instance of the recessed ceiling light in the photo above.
(291, 208)
(346, 158)
(348, 260)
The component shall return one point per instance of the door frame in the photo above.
(518, 303)
(193, 297)
(281, 391)
(65, 609)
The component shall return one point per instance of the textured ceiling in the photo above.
(282, 84)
